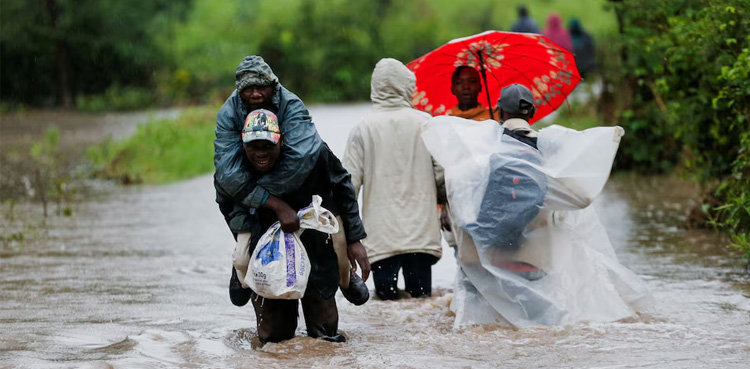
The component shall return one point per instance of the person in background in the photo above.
(277, 318)
(389, 162)
(524, 24)
(557, 33)
(583, 48)
(466, 86)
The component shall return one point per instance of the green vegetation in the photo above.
(160, 151)
(324, 50)
(117, 98)
(62, 50)
(681, 70)
(51, 178)
(114, 55)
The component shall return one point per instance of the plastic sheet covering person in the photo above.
(581, 278)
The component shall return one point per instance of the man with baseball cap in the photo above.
(516, 108)
(262, 143)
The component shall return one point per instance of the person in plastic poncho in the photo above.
(277, 318)
(258, 87)
(541, 263)
(387, 158)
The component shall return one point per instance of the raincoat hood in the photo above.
(575, 26)
(554, 22)
(557, 33)
(298, 153)
(254, 71)
(392, 84)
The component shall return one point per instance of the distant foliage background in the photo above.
(110, 55)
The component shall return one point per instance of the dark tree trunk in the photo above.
(63, 92)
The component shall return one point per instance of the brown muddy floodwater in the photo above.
(137, 278)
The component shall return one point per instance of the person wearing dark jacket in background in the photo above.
(277, 319)
(583, 48)
(524, 24)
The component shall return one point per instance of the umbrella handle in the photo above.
(486, 86)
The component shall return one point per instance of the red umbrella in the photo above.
(502, 58)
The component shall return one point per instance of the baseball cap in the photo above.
(516, 98)
(261, 124)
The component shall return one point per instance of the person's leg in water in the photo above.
(417, 269)
(385, 273)
(276, 319)
(321, 316)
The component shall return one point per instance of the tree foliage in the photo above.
(65, 48)
(324, 50)
(685, 97)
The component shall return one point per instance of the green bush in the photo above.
(116, 98)
(683, 96)
(674, 52)
(160, 151)
(734, 192)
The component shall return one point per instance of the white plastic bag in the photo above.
(279, 266)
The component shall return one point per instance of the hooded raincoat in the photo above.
(557, 33)
(388, 160)
(298, 154)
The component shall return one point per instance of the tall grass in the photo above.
(160, 151)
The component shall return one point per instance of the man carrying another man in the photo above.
(277, 318)
(241, 193)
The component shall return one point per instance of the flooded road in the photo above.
(138, 279)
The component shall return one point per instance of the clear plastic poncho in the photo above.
(530, 249)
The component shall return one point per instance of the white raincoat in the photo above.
(387, 158)
(582, 279)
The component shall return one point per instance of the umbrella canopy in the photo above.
(502, 58)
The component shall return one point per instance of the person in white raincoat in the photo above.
(388, 160)
(558, 266)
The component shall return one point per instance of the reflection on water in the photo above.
(138, 279)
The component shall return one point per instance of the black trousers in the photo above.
(417, 270)
(277, 319)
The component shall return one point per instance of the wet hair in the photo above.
(458, 70)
